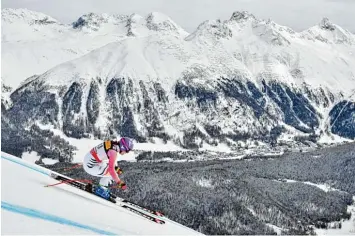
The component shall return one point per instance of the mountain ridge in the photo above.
(125, 26)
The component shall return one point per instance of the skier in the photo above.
(101, 162)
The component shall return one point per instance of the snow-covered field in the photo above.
(27, 207)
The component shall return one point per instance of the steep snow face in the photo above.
(279, 53)
(35, 42)
(147, 58)
(31, 45)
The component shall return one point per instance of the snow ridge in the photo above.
(9, 15)
(94, 21)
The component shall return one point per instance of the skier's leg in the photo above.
(94, 168)
(106, 181)
(99, 169)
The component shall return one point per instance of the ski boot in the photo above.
(105, 193)
(102, 192)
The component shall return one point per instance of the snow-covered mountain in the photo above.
(242, 80)
(33, 42)
(328, 32)
(29, 208)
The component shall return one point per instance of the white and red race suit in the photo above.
(101, 161)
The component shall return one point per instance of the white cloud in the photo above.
(299, 14)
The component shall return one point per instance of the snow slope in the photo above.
(29, 208)
(33, 42)
(322, 55)
(255, 49)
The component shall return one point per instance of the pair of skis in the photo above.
(148, 214)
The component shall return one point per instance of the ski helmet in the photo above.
(126, 144)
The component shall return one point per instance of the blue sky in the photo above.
(297, 14)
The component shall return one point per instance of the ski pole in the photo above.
(70, 181)
(73, 167)
(67, 168)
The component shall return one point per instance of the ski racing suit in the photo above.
(101, 161)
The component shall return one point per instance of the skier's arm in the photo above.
(111, 165)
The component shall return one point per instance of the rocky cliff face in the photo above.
(189, 113)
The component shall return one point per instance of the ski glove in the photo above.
(118, 170)
(122, 185)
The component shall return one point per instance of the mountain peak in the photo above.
(242, 16)
(93, 21)
(135, 17)
(211, 29)
(158, 17)
(326, 24)
(90, 20)
(157, 21)
(26, 16)
(328, 32)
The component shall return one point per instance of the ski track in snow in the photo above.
(26, 225)
(48, 217)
